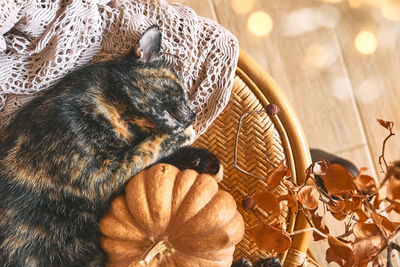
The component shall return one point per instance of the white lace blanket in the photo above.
(42, 40)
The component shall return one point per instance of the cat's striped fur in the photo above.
(69, 151)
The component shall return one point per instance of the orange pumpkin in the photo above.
(170, 217)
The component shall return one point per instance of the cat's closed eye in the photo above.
(72, 149)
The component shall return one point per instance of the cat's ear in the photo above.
(149, 45)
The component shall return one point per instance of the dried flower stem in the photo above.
(308, 230)
(346, 234)
(382, 156)
(306, 215)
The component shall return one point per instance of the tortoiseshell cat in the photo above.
(69, 151)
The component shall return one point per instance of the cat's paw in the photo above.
(190, 135)
(198, 159)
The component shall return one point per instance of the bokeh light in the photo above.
(242, 6)
(365, 42)
(259, 23)
(303, 20)
(320, 56)
(332, 1)
(373, 3)
(369, 91)
(390, 9)
(299, 21)
(355, 3)
(341, 88)
(327, 16)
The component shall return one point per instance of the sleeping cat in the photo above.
(71, 150)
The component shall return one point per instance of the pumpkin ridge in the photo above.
(147, 201)
(202, 222)
(159, 189)
(222, 237)
(111, 246)
(207, 207)
(122, 220)
(193, 190)
(177, 181)
(143, 224)
(113, 228)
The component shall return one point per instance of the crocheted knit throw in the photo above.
(43, 40)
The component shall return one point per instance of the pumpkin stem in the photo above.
(157, 248)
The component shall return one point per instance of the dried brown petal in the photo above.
(308, 197)
(291, 201)
(379, 261)
(247, 202)
(366, 249)
(268, 201)
(365, 230)
(365, 183)
(291, 186)
(336, 206)
(380, 195)
(383, 223)
(270, 238)
(278, 174)
(318, 223)
(332, 257)
(393, 207)
(339, 252)
(362, 217)
(394, 169)
(356, 202)
(386, 124)
(340, 216)
(338, 181)
(393, 188)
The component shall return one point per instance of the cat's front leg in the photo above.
(156, 147)
(148, 152)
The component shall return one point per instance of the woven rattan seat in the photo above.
(263, 143)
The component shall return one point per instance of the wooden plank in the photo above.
(337, 105)
(374, 78)
(322, 98)
(330, 121)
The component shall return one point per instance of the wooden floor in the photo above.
(336, 91)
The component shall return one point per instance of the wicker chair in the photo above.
(263, 142)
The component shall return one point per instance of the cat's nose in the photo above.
(190, 116)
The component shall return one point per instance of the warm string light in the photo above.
(332, 1)
(355, 3)
(368, 91)
(309, 19)
(390, 9)
(365, 42)
(320, 56)
(304, 20)
(242, 6)
(259, 23)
